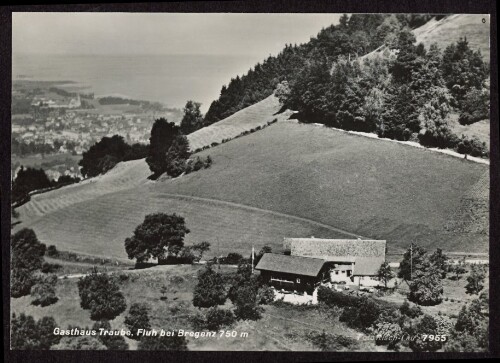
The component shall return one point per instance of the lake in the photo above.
(170, 79)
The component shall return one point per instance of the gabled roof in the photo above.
(297, 265)
(367, 255)
(335, 247)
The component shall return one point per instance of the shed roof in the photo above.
(367, 266)
(297, 265)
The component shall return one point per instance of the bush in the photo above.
(43, 292)
(387, 334)
(174, 342)
(475, 106)
(82, 342)
(330, 297)
(233, 258)
(426, 326)
(330, 342)
(27, 251)
(472, 146)
(210, 290)
(52, 251)
(137, 318)
(100, 294)
(361, 316)
(21, 282)
(112, 342)
(50, 267)
(265, 295)
(213, 319)
(245, 299)
(26, 333)
(410, 311)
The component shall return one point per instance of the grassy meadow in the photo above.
(288, 180)
(279, 329)
(365, 186)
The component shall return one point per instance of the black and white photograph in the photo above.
(238, 181)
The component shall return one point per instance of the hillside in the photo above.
(368, 187)
(124, 175)
(448, 30)
(249, 118)
(289, 179)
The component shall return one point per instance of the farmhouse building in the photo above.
(353, 261)
(310, 261)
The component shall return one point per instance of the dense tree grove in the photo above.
(81, 342)
(354, 36)
(105, 154)
(26, 259)
(27, 180)
(471, 330)
(169, 147)
(423, 274)
(192, 119)
(26, 333)
(405, 93)
(163, 134)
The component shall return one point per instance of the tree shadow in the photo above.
(143, 265)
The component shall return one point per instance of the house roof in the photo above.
(367, 255)
(335, 247)
(367, 266)
(297, 265)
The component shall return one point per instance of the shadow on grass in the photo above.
(143, 265)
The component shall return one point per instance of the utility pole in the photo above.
(253, 253)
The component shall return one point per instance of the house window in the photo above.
(343, 272)
(336, 272)
(349, 273)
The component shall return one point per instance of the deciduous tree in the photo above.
(101, 294)
(159, 235)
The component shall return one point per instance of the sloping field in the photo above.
(473, 214)
(449, 30)
(245, 120)
(365, 186)
(100, 226)
(288, 180)
(123, 176)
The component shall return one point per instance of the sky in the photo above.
(162, 33)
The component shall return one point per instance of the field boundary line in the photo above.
(256, 209)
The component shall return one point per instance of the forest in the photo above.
(406, 92)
